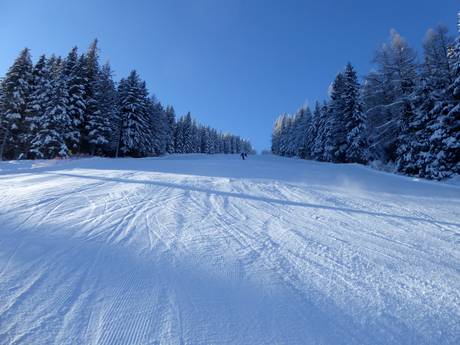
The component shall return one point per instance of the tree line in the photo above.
(59, 107)
(405, 112)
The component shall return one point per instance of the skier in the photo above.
(243, 155)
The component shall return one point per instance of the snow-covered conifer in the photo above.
(73, 72)
(133, 110)
(49, 139)
(102, 123)
(16, 93)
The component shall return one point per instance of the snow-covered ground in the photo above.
(216, 250)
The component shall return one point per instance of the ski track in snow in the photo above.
(214, 250)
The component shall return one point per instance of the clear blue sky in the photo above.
(234, 64)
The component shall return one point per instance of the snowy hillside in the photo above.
(216, 250)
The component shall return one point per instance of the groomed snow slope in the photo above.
(216, 250)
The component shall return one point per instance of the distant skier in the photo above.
(243, 155)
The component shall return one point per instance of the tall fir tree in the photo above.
(16, 93)
(319, 143)
(49, 140)
(39, 100)
(100, 125)
(312, 132)
(354, 119)
(91, 71)
(170, 128)
(159, 127)
(445, 140)
(187, 133)
(407, 144)
(133, 108)
(301, 127)
(73, 72)
(334, 132)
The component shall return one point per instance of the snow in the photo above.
(200, 249)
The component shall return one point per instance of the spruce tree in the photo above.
(179, 136)
(133, 109)
(408, 145)
(301, 126)
(187, 134)
(321, 132)
(49, 140)
(334, 132)
(16, 93)
(205, 140)
(312, 132)
(445, 140)
(276, 136)
(73, 72)
(101, 125)
(159, 127)
(170, 118)
(39, 100)
(436, 130)
(90, 68)
(353, 119)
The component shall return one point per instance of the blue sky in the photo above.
(234, 64)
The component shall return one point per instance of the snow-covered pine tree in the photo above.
(1, 102)
(16, 93)
(2, 114)
(49, 139)
(284, 134)
(334, 133)
(212, 141)
(312, 132)
(227, 145)
(276, 136)
(187, 133)
(216, 142)
(354, 120)
(73, 72)
(55, 65)
(205, 140)
(90, 68)
(321, 128)
(102, 124)
(219, 143)
(419, 150)
(159, 127)
(291, 148)
(133, 103)
(122, 93)
(170, 118)
(407, 144)
(179, 136)
(444, 155)
(415, 151)
(195, 137)
(38, 102)
(302, 121)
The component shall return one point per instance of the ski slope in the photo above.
(215, 250)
